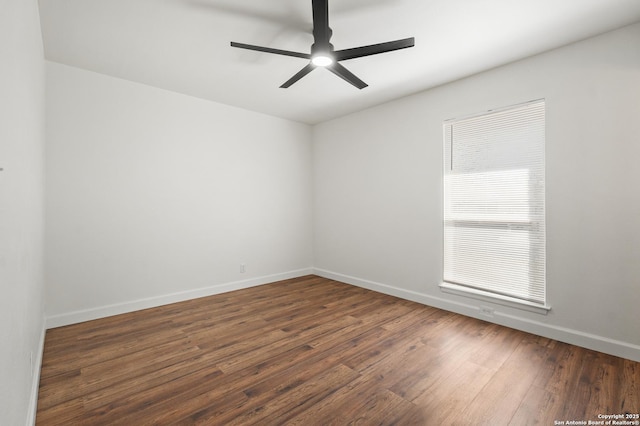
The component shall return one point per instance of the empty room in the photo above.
(389, 212)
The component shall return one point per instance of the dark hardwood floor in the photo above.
(312, 351)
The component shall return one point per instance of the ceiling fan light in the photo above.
(321, 60)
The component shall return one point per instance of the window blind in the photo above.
(494, 214)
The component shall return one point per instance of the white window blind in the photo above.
(494, 216)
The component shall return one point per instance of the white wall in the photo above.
(154, 196)
(378, 190)
(21, 214)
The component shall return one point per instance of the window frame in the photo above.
(467, 290)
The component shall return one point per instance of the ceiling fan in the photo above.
(322, 52)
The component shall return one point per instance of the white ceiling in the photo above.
(183, 45)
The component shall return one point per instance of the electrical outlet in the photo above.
(486, 311)
(243, 268)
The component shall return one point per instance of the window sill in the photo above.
(511, 302)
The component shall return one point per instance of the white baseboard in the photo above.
(563, 334)
(152, 302)
(35, 381)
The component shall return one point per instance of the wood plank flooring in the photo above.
(311, 351)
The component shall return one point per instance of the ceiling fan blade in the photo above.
(373, 49)
(346, 75)
(270, 50)
(304, 71)
(321, 30)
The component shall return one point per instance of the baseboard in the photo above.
(563, 334)
(152, 302)
(35, 381)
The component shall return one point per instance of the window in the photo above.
(494, 217)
